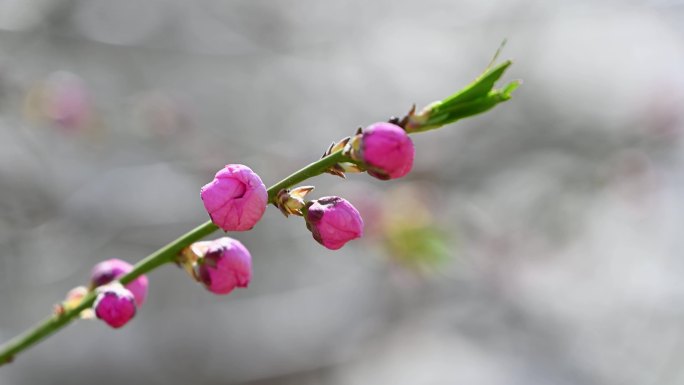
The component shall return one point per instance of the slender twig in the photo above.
(160, 257)
(310, 171)
(477, 97)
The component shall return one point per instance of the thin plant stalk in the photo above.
(158, 258)
(476, 98)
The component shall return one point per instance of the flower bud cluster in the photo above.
(236, 200)
(111, 269)
(116, 304)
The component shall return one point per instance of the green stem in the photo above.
(310, 171)
(475, 98)
(160, 257)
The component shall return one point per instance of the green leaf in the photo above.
(478, 97)
(478, 88)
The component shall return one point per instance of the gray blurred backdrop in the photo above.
(539, 243)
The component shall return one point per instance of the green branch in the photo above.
(160, 257)
(477, 97)
(310, 171)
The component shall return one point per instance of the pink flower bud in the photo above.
(386, 150)
(225, 265)
(115, 305)
(333, 222)
(236, 198)
(111, 269)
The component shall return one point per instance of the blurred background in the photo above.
(539, 243)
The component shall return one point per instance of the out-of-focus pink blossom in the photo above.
(386, 150)
(68, 101)
(111, 269)
(115, 305)
(225, 265)
(333, 222)
(236, 198)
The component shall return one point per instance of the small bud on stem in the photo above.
(236, 199)
(291, 202)
(220, 265)
(114, 304)
(333, 221)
